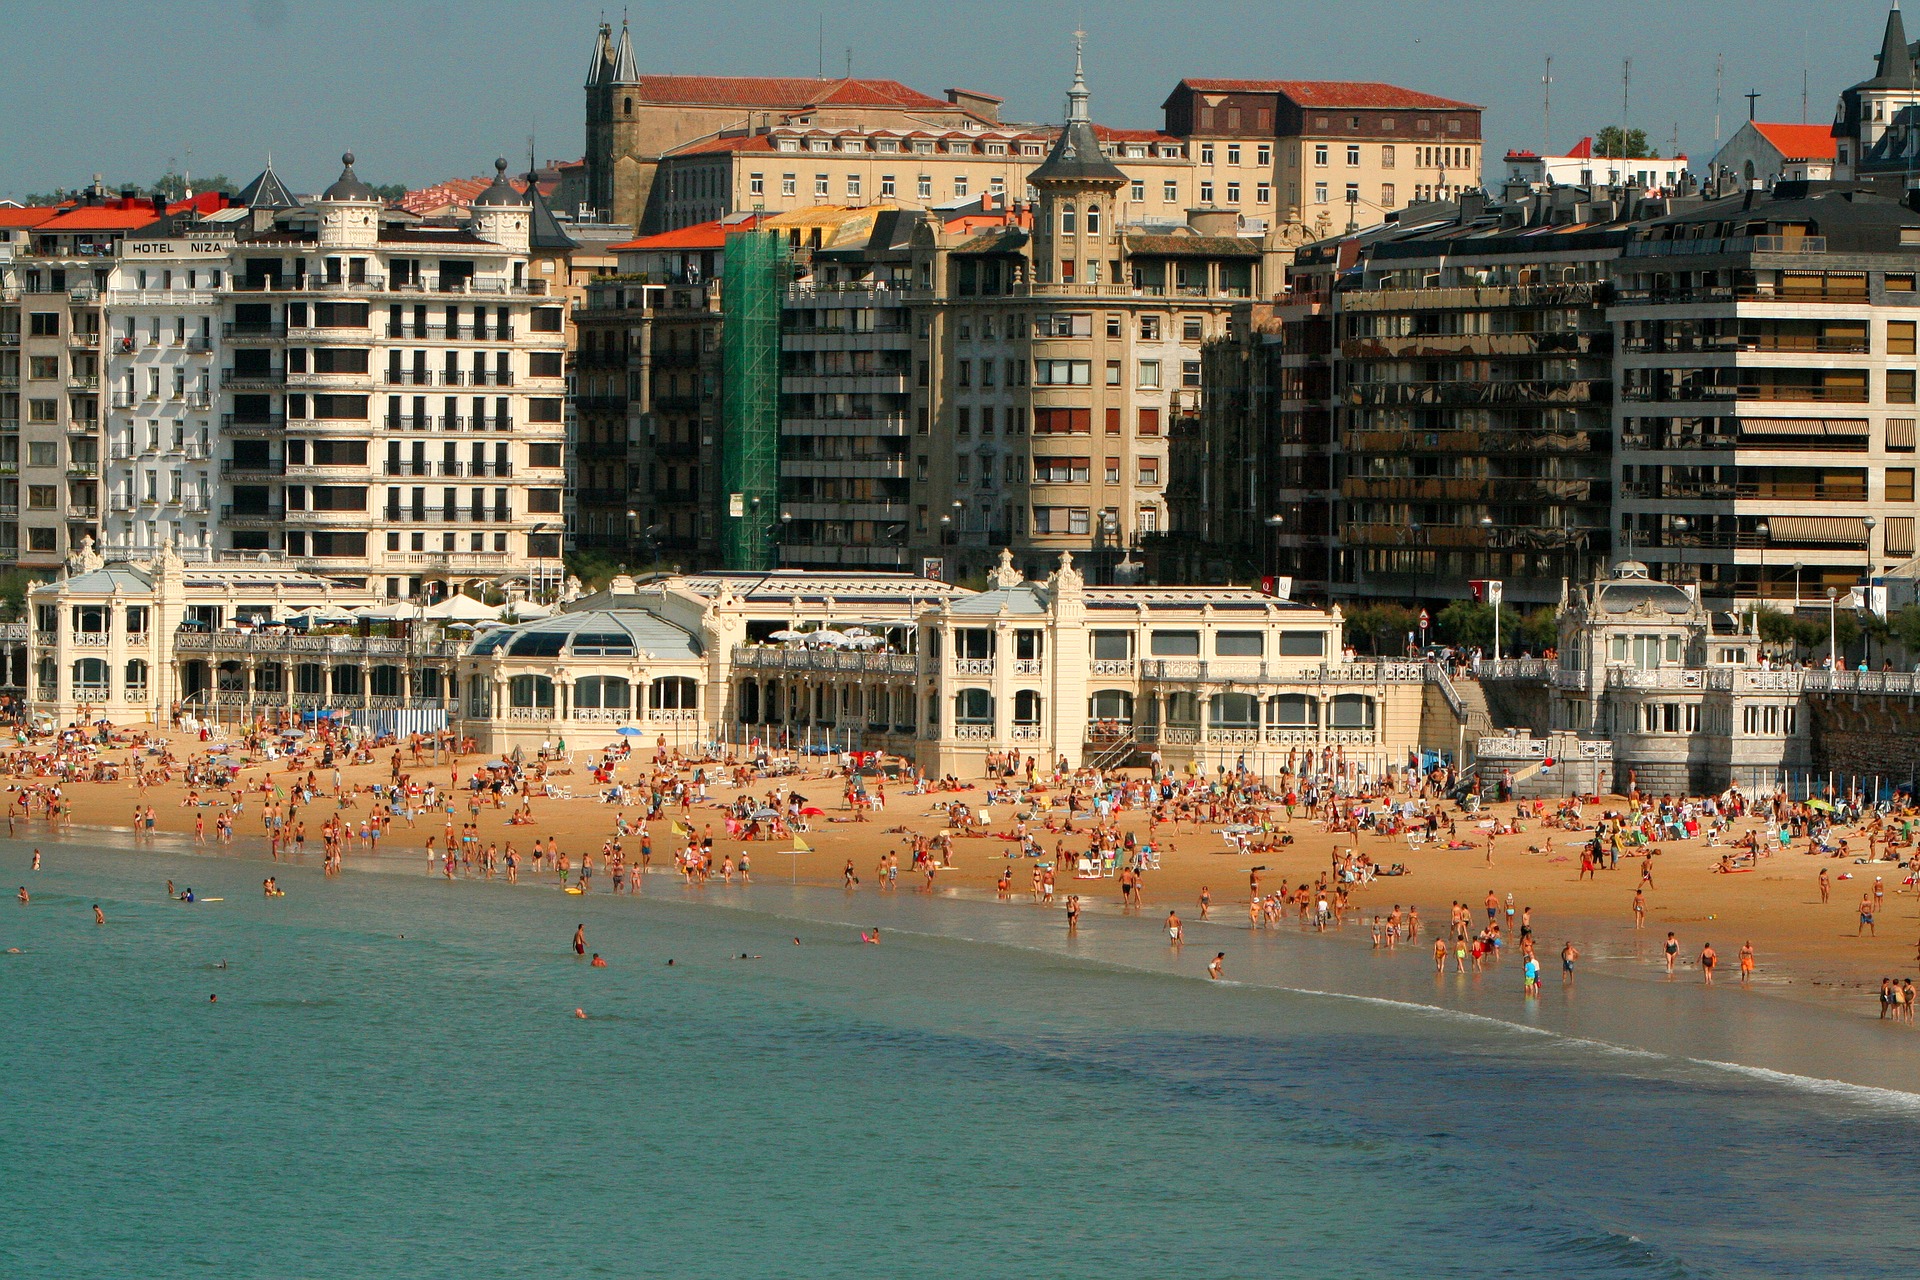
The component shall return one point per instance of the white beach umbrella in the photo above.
(458, 606)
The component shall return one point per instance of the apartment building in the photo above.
(52, 293)
(394, 405)
(162, 381)
(1322, 156)
(1767, 375)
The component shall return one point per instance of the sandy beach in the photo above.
(1803, 947)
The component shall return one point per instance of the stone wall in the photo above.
(1865, 736)
(1520, 704)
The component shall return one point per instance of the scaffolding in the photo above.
(754, 282)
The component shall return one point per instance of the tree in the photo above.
(389, 190)
(1905, 625)
(1381, 629)
(173, 186)
(1613, 142)
(14, 585)
(1539, 630)
(1466, 624)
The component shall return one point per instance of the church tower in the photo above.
(1875, 117)
(1075, 227)
(617, 178)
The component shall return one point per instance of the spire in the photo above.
(266, 191)
(543, 229)
(1076, 158)
(1896, 62)
(598, 65)
(624, 70)
(1077, 95)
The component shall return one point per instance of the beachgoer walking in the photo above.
(1673, 951)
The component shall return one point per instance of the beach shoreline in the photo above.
(1805, 1038)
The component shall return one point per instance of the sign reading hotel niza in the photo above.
(177, 248)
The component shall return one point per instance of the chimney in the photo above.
(1472, 205)
(159, 204)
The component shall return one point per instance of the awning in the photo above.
(1848, 427)
(1844, 530)
(1899, 433)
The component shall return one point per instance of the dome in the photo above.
(1629, 595)
(500, 195)
(591, 633)
(348, 187)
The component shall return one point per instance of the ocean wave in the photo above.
(1866, 1095)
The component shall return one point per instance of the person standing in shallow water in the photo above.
(580, 940)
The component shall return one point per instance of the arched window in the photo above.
(137, 678)
(1350, 711)
(479, 694)
(90, 678)
(1068, 218)
(1114, 706)
(1292, 711)
(1026, 707)
(49, 681)
(749, 702)
(610, 692)
(674, 693)
(346, 680)
(1093, 219)
(529, 691)
(1183, 709)
(629, 106)
(309, 677)
(384, 681)
(973, 706)
(1233, 711)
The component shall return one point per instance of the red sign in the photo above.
(1425, 622)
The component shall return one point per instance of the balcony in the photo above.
(408, 377)
(84, 467)
(83, 382)
(251, 517)
(448, 515)
(253, 470)
(253, 380)
(253, 426)
(82, 511)
(84, 338)
(426, 469)
(449, 332)
(250, 332)
(495, 378)
(312, 379)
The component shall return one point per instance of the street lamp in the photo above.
(1274, 524)
(1869, 523)
(1797, 566)
(1833, 597)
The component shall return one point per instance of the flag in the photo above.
(801, 846)
(678, 829)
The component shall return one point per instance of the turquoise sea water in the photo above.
(393, 1083)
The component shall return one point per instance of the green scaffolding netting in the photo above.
(755, 279)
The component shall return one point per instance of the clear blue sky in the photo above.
(429, 89)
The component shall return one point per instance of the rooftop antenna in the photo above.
(1803, 75)
(1546, 146)
(849, 62)
(1719, 79)
(820, 51)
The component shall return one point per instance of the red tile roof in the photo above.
(1799, 141)
(783, 92)
(1105, 134)
(701, 235)
(100, 218)
(1336, 93)
(1582, 151)
(31, 216)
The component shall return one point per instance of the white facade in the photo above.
(162, 381)
(1582, 168)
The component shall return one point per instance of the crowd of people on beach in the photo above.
(1062, 823)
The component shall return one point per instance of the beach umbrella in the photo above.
(530, 609)
(764, 814)
(812, 811)
(628, 731)
(858, 633)
(458, 606)
(788, 634)
(1820, 805)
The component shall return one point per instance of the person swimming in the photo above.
(186, 895)
(873, 938)
(597, 962)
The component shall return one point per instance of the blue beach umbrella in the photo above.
(628, 731)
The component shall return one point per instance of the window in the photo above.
(611, 693)
(1320, 155)
(90, 678)
(40, 539)
(1350, 711)
(1353, 157)
(43, 453)
(1388, 198)
(924, 186)
(1065, 325)
(1170, 192)
(1233, 153)
(1112, 646)
(1062, 373)
(789, 184)
(529, 691)
(42, 497)
(1150, 472)
(1174, 644)
(886, 185)
(673, 693)
(1192, 328)
(43, 368)
(1206, 153)
(1068, 216)
(756, 184)
(1149, 373)
(1900, 435)
(1149, 422)
(960, 187)
(1353, 193)
(1900, 484)
(1206, 193)
(1233, 193)
(1060, 422)
(820, 187)
(1238, 644)
(1386, 157)
(1262, 193)
(39, 410)
(853, 186)
(1303, 644)
(1059, 470)
(1263, 155)
(1111, 473)
(1319, 193)
(44, 324)
(1149, 328)
(1900, 386)
(1113, 373)
(973, 706)
(1138, 192)
(1190, 373)
(1292, 711)
(1900, 337)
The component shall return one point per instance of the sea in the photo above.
(393, 1082)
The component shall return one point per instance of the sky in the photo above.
(423, 90)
